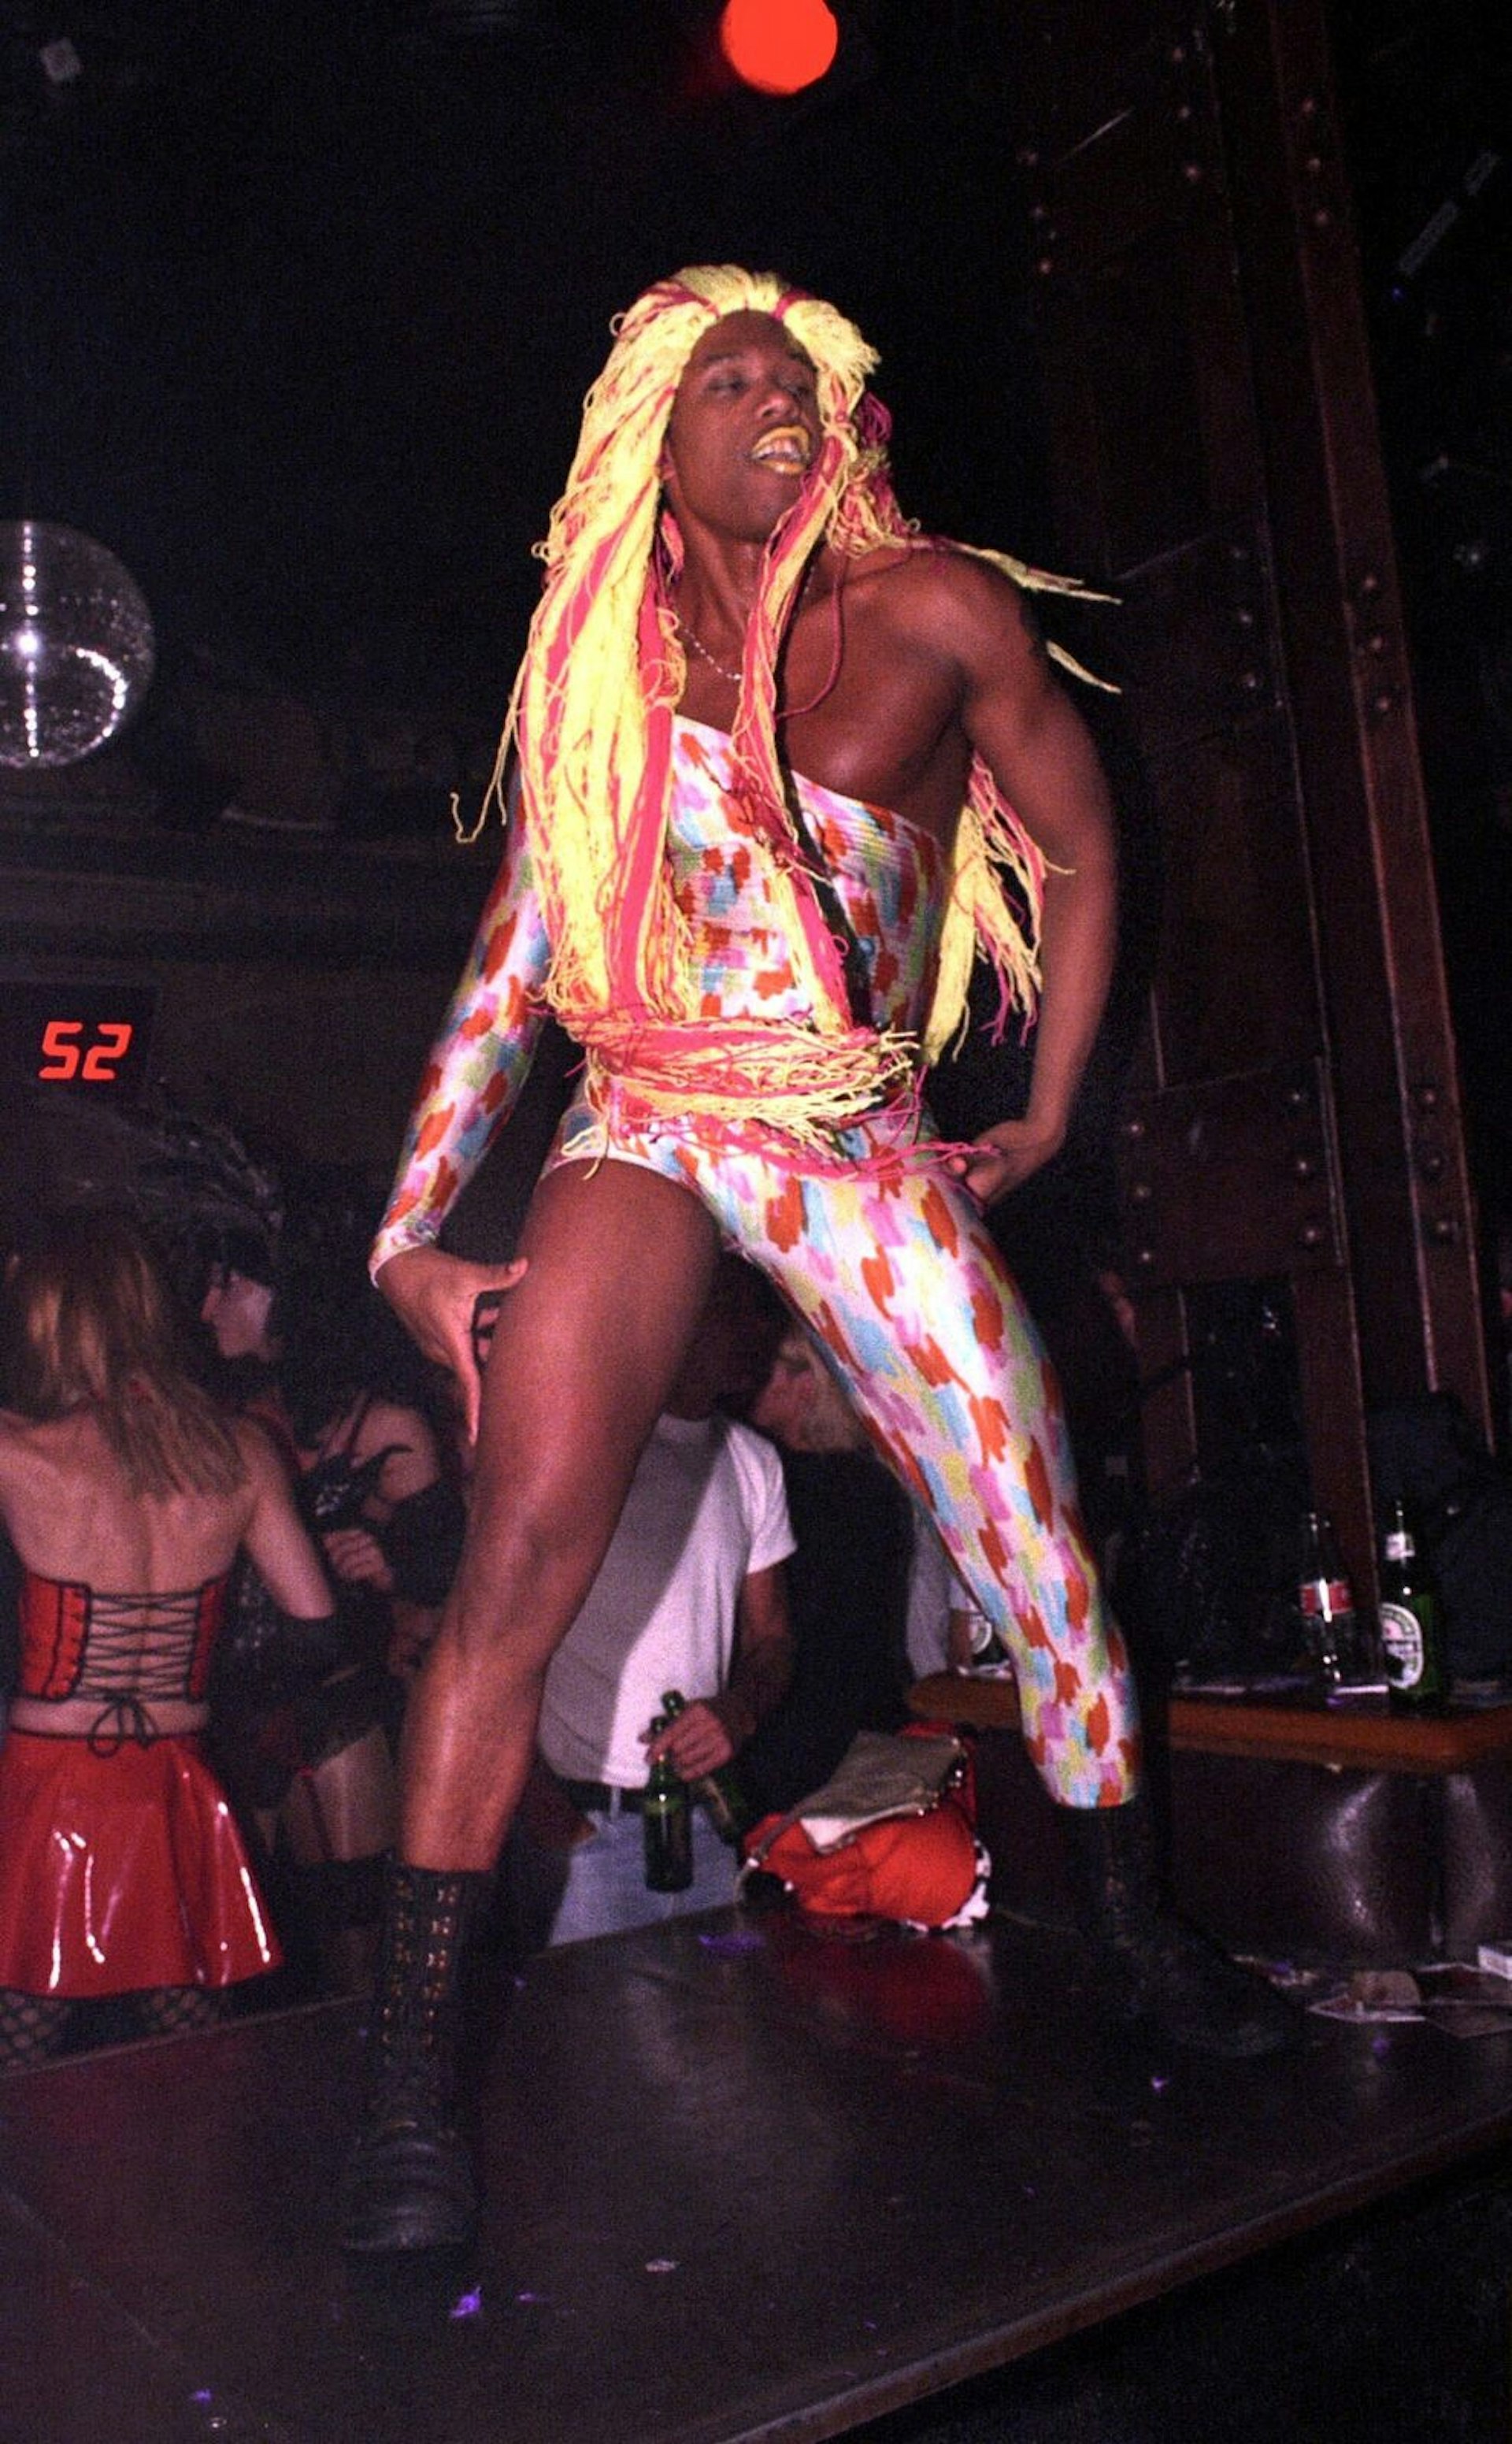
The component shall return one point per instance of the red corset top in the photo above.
(125, 1650)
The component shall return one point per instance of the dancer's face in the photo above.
(745, 428)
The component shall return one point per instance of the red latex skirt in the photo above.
(122, 1871)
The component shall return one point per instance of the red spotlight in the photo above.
(779, 46)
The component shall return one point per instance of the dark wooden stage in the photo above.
(743, 2183)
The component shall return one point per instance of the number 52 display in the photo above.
(67, 1054)
(86, 1036)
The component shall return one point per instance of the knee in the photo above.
(526, 1566)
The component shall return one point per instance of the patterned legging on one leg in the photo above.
(899, 1278)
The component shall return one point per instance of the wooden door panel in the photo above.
(1235, 984)
(1233, 1179)
(1152, 426)
(1087, 62)
(1192, 647)
(1359, 773)
(1213, 457)
(1145, 166)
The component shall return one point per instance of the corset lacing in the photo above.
(125, 1675)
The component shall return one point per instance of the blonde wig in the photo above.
(591, 718)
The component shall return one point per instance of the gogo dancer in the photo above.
(784, 766)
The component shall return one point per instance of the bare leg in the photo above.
(339, 1821)
(344, 1807)
(586, 1349)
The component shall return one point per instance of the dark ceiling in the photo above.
(308, 298)
(301, 303)
(302, 300)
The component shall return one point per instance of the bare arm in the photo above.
(11, 1445)
(709, 1731)
(275, 1536)
(415, 1465)
(1037, 746)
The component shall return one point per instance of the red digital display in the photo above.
(89, 1036)
(72, 1048)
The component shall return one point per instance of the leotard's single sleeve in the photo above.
(478, 1063)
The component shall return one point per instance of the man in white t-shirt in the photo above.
(690, 1596)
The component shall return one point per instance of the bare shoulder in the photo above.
(390, 1421)
(14, 1440)
(39, 1444)
(942, 595)
(264, 1464)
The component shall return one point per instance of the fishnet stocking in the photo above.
(32, 2027)
(163, 2011)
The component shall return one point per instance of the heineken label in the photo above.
(1402, 1640)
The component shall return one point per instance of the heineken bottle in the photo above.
(718, 1793)
(667, 1824)
(1411, 1631)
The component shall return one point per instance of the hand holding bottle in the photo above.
(694, 1737)
(665, 1823)
(712, 1782)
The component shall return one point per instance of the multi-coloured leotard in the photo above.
(121, 1863)
(877, 1248)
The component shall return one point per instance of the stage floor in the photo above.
(741, 2184)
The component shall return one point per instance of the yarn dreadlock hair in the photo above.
(591, 719)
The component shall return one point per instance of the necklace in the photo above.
(731, 677)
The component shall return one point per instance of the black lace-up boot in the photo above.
(1153, 1969)
(408, 2182)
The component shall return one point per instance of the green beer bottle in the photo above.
(1411, 1632)
(667, 1826)
(718, 1793)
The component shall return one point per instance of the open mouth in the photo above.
(787, 449)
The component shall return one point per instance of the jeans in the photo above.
(599, 1886)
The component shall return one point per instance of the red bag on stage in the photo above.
(891, 1834)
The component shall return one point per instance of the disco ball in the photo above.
(76, 644)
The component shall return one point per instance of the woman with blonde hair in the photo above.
(127, 1494)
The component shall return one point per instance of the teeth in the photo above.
(790, 447)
